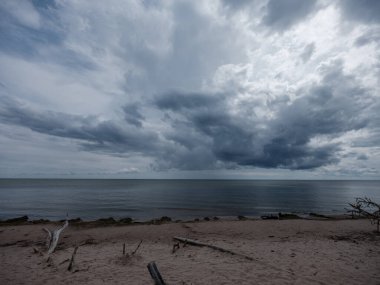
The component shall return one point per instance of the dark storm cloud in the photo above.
(281, 15)
(328, 109)
(362, 157)
(234, 141)
(106, 135)
(208, 115)
(132, 115)
(205, 132)
(366, 11)
(280, 153)
(373, 138)
(176, 101)
(334, 106)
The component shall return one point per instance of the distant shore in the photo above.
(286, 251)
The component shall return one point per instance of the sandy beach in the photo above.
(283, 252)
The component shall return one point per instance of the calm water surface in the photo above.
(179, 199)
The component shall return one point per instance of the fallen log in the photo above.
(197, 243)
(156, 276)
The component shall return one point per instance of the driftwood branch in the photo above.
(64, 261)
(156, 276)
(36, 250)
(196, 243)
(53, 237)
(133, 253)
(264, 264)
(367, 208)
(175, 247)
(70, 267)
(48, 238)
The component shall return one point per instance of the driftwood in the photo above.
(64, 261)
(175, 247)
(53, 237)
(264, 264)
(196, 243)
(133, 253)
(36, 250)
(156, 276)
(367, 208)
(48, 238)
(70, 267)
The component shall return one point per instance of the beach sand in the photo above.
(283, 252)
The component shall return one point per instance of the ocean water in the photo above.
(180, 199)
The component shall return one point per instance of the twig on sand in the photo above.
(64, 261)
(36, 250)
(133, 253)
(175, 247)
(156, 276)
(196, 243)
(70, 267)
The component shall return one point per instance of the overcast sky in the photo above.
(190, 89)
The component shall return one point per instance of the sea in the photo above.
(143, 200)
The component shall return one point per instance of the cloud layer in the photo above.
(236, 87)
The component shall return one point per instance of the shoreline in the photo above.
(24, 220)
(293, 251)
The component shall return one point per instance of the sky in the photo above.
(232, 89)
